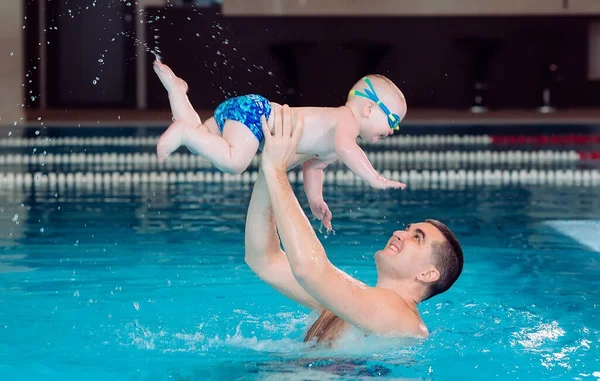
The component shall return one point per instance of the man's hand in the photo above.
(321, 211)
(280, 146)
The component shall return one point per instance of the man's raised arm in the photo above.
(263, 253)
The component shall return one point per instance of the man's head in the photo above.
(377, 104)
(426, 253)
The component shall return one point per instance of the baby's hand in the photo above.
(386, 184)
(321, 211)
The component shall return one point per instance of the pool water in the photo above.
(149, 283)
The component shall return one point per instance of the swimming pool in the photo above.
(145, 280)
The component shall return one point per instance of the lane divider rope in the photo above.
(136, 141)
(555, 139)
(479, 177)
(395, 141)
(178, 160)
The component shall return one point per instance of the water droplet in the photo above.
(15, 218)
(101, 60)
(12, 54)
(76, 294)
(41, 230)
(10, 132)
(136, 306)
(37, 132)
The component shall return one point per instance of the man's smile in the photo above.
(395, 244)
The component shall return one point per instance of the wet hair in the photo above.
(360, 84)
(392, 85)
(447, 257)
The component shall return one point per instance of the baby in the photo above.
(231, 138)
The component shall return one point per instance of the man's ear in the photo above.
(429, 276)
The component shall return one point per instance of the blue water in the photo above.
(150, 283)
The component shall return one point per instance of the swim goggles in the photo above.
(393, 119)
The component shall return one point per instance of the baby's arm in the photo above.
(357, 161)
(313, 187)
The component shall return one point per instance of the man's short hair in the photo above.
(447, 257)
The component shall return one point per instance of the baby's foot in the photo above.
(170, 81)
(171, 139)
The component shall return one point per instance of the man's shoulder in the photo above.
(406, 318)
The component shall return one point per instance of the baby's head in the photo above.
(378, 106)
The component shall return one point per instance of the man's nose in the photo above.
(400, 234)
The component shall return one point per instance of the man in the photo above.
(417, 263)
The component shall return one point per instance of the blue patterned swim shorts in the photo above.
(246, 109)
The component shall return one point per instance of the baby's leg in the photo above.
(231, 153)
(177, 88)
(180, 132)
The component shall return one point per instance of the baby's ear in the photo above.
(367, 109)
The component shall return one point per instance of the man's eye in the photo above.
(418, 237)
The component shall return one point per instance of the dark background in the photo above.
(315, 60)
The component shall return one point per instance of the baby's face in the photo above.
(376, 127)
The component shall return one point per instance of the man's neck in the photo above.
(405, 289)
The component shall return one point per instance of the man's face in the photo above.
(408, 252)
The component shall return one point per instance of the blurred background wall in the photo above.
(444, 54)
(12, 62)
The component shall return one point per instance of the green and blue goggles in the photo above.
(393, 119)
